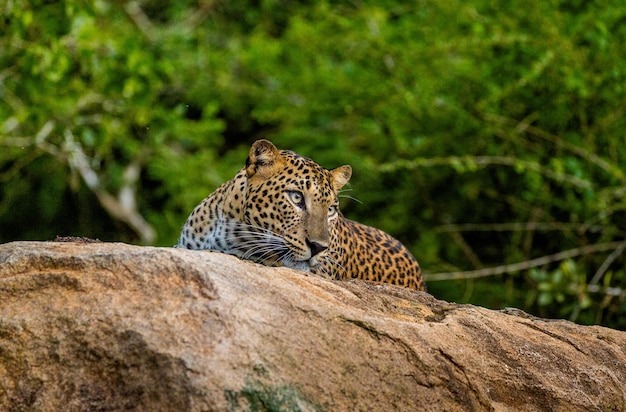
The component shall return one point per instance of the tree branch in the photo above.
(607, 262)
(514, 227)
(525, 126)
(124, 207)
(516, 267)
(471, 163)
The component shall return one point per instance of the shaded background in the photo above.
(489, 138)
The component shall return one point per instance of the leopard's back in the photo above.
(364, 252)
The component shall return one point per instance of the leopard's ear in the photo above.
(340, 176)
(263, 159)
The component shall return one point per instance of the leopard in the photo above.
(282, 209)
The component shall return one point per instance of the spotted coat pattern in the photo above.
(282, 209)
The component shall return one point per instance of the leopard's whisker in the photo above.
(350, 197)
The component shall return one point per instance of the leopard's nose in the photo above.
(316, 247)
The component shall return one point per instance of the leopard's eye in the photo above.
(296, 197)
(332, 210)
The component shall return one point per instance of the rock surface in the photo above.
(109, 326)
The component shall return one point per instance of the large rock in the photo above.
(108, 326)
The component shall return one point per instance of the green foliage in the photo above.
(481, 134)
(557, 286)
(86, 87)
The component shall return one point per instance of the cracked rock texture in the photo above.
(109, 326)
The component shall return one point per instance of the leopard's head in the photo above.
(290, 208)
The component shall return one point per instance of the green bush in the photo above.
(482, 135)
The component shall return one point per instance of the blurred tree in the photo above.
(488, 137)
